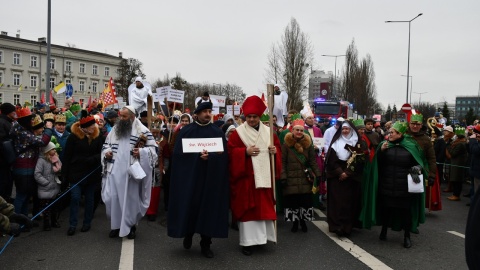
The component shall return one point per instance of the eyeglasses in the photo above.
(415, 124)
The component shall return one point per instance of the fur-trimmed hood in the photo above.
(300, 145)
(77, 131)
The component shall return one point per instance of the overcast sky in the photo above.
(219, 41)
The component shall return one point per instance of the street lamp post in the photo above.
(420, 98)
(408, 61)
(411, 86)
(335, 78)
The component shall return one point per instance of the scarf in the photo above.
(260, 139)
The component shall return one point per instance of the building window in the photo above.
(16, 79)
(16, 99)
(82, 68)
(33, 99)
(52, 83)
(68, 66)
(1, 77)
(81, 101)
(17, 58)
(1, 56)
(94, 87)
(33, 60)
(1, 98)
(33, 81)
(52, 63)
(107, 71)
(94, 69)
(81, 86)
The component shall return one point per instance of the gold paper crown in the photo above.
(48, 116)
(60, 118)
(37, 122)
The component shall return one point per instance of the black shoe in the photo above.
(46, 225)
(247, 251)
(187, 241)
(207, 253)
(151, 217)
(71, 231)
(114, 233)
(132, 233)
(55, 224)
(406, 242)
(234, 226)
(303, 225)
(294, 226)
(85, 228)
(383, 234)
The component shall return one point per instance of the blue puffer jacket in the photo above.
(474, 147)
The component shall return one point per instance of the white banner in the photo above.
(218, 100)
(197, 145)
(320, 142)
(215, 110)
(161, 94)
(236, 109)
(175, 95)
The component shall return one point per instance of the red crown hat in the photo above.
(22, 112)
(253, 105)
(86, 120)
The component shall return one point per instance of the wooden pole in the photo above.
(149, 111)
(272, 156)
(171, 123)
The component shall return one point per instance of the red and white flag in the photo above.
(109, 95)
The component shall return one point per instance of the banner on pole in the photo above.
(161, 94)
(220, 100)
(175, 95)
(233, 111)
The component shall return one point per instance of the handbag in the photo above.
(415, 187)
(136, 171)
(309, 175)
(8, 151)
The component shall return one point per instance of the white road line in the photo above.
(126, 257)
(357, 252)
(457, 234)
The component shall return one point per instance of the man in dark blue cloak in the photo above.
(199, 188)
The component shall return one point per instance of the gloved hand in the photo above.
(14, 229)
(21, 219)
(415, 171)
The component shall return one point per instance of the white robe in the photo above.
(138, 98)
(280, 107)
(126, 199)
(328, 136)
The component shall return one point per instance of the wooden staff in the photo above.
(149, 111)
(272, 156)
(171, 122)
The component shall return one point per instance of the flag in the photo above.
(69, 90)
(89, 102)
(20, 88)
(60, 88)
(109, 94)
(42, 98)
(1, 84)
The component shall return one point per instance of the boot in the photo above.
(46, 225)
(303, 225)
(407, 243)
(295, 226)
(383, 233)
(54, 221)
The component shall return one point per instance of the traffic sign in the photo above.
(406, 108)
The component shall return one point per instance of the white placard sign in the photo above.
(236, 109)
(220, 100)
(320, 142)
(197, 145)
(175, 95)
(162, 93)
(215, 110)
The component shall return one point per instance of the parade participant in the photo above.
(371, 134)
(228, 130)
(280, 105)
(68, 103)
(72, 115)
(27, 146)
(344, 175)
(100, 121)
(111, 117)
(415, 130)
(448, 138)
(458, 154)
(10, 222)
(292, 115)
(127, 198)
(7, 116)
(159, 174)
(47, 173)
(205, 98)
(330, 132)
(395, 159)
(143, 118)
(199, 196)
(137, 95)
(265, 119)
(439, 147)
(81, 163)
(252, 198)
(298, 163)
(229, 120)
(474, 151)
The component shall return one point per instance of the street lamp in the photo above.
(334, 79)
(408, 61)
(420, 98)
(411, 87)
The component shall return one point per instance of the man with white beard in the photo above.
(127, 198)
(137, 95)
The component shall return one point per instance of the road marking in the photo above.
(457, 234)
(126, 256)
(356, 251)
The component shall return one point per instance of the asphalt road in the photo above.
(434, 248)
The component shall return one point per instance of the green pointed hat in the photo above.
(265, 117)
(416, 118)
(359, 123)
(295, 117)
(401, 127)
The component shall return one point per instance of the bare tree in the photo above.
(350, 72)
(128, 70)
(288, 63)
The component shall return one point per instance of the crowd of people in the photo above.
(359, 168)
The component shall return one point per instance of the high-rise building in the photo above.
(463, 105)
(319, 85)
(23, 70)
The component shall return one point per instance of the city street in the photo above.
(440, 245)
